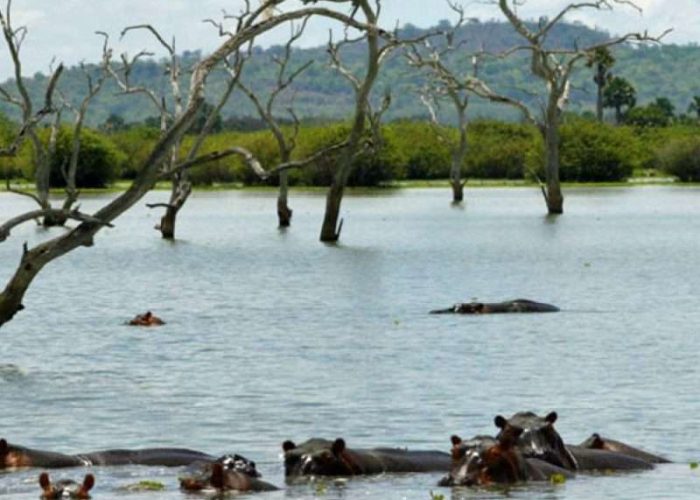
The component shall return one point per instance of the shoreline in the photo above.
(404, 184)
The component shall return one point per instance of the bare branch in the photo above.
(250, 160)
(7, 226)
(169, 47)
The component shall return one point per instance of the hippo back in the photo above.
(597, 442)
(604, 460)
(166, 457)
(320, 457)
(402, 460)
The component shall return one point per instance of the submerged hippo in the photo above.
(537, 438)
(65, 488)
(228, 473)
(483, 461)
(320, 457)
(15, 456)
(597, 442)
(509, 306)
(146, 319)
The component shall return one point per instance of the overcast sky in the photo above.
(64, 29)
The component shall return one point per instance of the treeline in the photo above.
(410, 150)
(654, 70)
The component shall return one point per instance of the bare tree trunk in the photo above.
(329, 234)
(284, 213)
(458, 154)
(457, 191)
(553, 196)
(599, 103)
(181, 191)
(330, 229)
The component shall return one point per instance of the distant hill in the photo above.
(670, 71)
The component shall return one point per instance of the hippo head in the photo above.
(318, 457)
(470, 308)
(12, 456)
(213, 475)
(537, 438)
(483, 461)
(240, 464)
(466, 459)
(65, 488)
(203, 475)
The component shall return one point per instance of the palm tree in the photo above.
(619, 93)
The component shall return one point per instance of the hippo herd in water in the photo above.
(526, 448)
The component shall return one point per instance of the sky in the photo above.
(64, 29)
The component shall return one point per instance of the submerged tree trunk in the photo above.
(459, 153)
(330, 230)
(180, 193)
(284, 213)
(553, 195)
(457, 190)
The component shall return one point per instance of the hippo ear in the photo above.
(455, 439)
(217, 476)
(88, 483)
(596, 441)
(500, 421)
(44, 481)
(551, 417)
(338, 446)
(288, 445)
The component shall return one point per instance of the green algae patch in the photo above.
(144, 486)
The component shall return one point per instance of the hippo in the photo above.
(597, 442)
(146, 319)
(509, 306)
(225, 474)
(483, 461)
(321, 457)
(65, 488)
(539, 439)
(165, 457)
(15, 456)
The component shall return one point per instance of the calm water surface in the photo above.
(273, 336)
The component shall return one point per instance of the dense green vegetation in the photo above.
(411, 150)
(321, 93)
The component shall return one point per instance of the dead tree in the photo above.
(446, 83)
(554, 66)
(286, 142)
(44, 154)
(34, 259)
(180, 185)
(330, 229)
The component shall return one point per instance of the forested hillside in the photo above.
(655, 71)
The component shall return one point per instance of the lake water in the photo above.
(272, 335)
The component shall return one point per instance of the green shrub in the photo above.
(9, 166)
(99, 161)
(681, 157)
(136, 143)
(421, 151)
(595, 152)
(499, 150)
